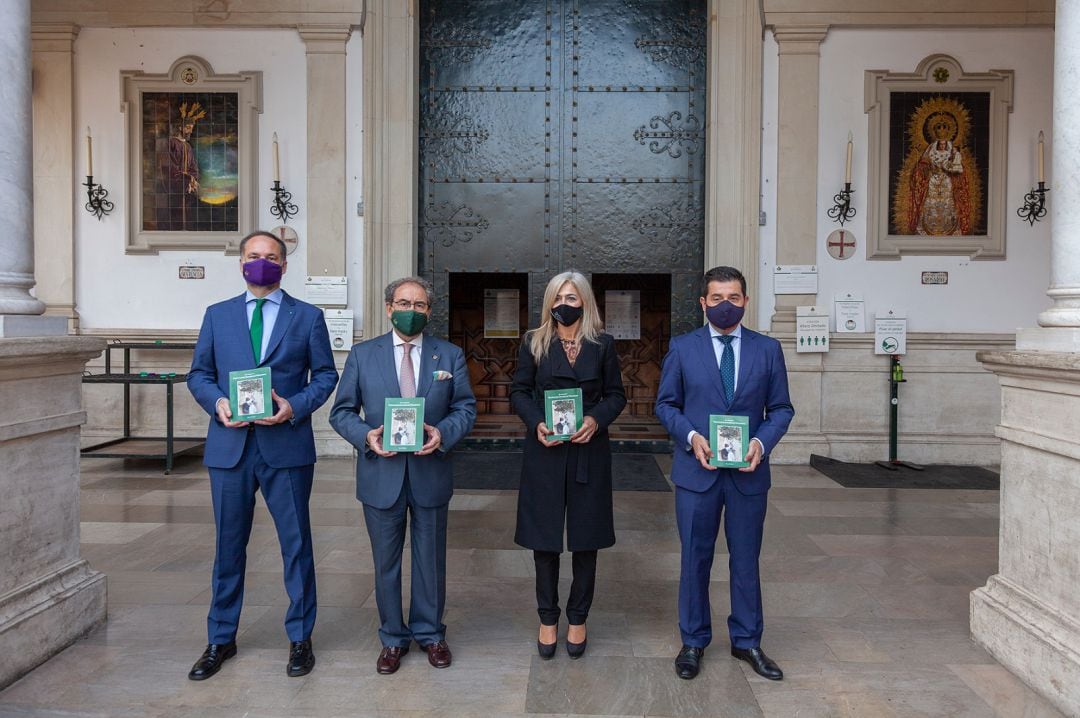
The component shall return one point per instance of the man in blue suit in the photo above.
(722, 368)
(263, 327)
(405, 362)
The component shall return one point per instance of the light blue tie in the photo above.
(727, 367)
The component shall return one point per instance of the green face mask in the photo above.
(409, 322)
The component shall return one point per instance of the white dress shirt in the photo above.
(415, 353)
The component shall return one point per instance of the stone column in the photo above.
(16, 172)
(326, 171)
(797, 159)
(1028, 613)
(391, 41)
(56, 177)
(734, 139)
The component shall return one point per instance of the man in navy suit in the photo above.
(263, 327)
(405, 362)
(722, 368)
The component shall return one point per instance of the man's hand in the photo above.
(434, 441)
(588, 429)
(753, 456)
(284, 411)
(702, 452)
(224, 414)
(374, 442)
(542, 434)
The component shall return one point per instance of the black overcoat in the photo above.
(569, 482)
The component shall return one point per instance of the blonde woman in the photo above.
(566, 483)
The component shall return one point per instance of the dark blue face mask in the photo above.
(724, 315)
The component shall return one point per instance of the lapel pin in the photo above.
(435, 357)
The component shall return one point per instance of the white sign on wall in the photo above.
(795, 279)
(622, 313)
(890, 332)
(811, 329)
(850, 312)
(328, 291)
(339, 322)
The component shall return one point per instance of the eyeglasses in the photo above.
(405, 306)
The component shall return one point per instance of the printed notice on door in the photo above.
(622, 310)
(501, 316)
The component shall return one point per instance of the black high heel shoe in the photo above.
(547, 650)
(576, 650)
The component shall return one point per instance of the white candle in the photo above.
(1042, 172)
(277, 162)
(89, 153)
(847, 161)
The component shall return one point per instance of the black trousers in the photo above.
(581, 588)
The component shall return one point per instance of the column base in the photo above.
(1031, 639)
(42, 618)
(30, 325)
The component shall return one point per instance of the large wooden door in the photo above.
(563, 134)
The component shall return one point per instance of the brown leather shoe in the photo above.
(438, 654)
(390, 659)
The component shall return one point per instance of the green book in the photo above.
(563, 412)
(403, 424)
(729, 439)
(249, 394)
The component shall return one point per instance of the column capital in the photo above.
(327, 39)
(53, 36)
(800, 39)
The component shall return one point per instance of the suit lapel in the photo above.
(712, 369)
(747, 357)
(560, 365)
(587, 365)
(384, 358)
(281, 324)
(429, 355)
(239, 321)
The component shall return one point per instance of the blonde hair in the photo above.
(589, 326)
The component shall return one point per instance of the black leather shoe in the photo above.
(211, 660)
(762, 664)
(688, 662)
(301, 658)
(575, 650)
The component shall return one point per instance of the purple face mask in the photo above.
(262, 272)
(724, 315)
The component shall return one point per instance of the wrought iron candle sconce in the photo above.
(97, 202)
(283, 207)
(1034, 207)
(842, 211)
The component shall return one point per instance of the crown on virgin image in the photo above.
(193, 115)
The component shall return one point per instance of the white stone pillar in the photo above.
(391, 154)
(799, 48)
(1065, 160)
(1028, 613)
(326, 172)
(16, 166)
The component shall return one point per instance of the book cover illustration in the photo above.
(563, 412)
(403, 424)
(729, 439)
(249, 394)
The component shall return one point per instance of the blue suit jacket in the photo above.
(302, 371)
(690, 390)
(368, 380)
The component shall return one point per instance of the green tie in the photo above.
(257, 329)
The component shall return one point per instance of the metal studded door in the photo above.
(562, 134)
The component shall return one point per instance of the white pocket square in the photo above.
(441, 375)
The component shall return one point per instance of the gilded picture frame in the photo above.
(937, 160)
(192, 143)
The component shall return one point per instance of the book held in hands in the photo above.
(729, 439)
(403, 424)
(563, 412)
(249, 394)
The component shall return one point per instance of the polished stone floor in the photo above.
(866, 603)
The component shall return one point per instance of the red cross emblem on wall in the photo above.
(841, 244)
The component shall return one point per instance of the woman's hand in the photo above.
(588, 429)
(542, 434)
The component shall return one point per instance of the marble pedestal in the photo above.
(49, 597)
(1028, 614)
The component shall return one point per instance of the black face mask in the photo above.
(566, 315)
